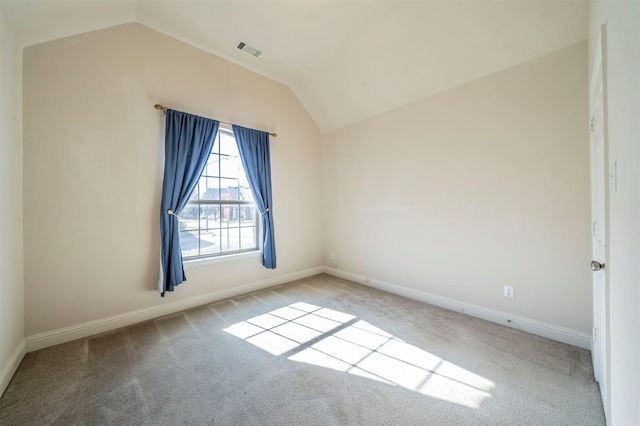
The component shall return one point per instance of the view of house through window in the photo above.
(221, 216)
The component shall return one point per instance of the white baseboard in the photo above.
(539, 328)
(10, 367)
(67, 334)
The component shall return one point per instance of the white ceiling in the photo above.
(346, 60)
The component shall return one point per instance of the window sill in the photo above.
(222, 259)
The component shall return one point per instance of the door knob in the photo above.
(596, 266)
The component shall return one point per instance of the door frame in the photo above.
(600, 343)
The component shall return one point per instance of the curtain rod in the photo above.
(164, 111)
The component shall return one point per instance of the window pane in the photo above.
(194, 194)
(247, 215)
(209, 230)
(209, 217)
(209, 188)
(213, 167)
(247, 237)
(224, 240)
(230, 239)
(229, 166)
(229, 189)
(228, 144)
(216, 144)
(230, 215)
(211, 248)
(212, 229)
(189, 243)
(188, 218)
(245, 191)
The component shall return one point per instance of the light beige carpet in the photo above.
(319, 351)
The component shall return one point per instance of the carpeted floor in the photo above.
(319, 351)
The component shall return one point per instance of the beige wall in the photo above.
(622, 66)
(11, 257)
(482, 186)
(93, 171)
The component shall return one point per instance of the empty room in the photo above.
(322, 212)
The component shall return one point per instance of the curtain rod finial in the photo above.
(160, 108)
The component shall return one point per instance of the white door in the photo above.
(599, 227)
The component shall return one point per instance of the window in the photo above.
(221, 216)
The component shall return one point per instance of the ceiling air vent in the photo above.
(248, 49)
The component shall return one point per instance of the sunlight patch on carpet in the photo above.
(319, 336)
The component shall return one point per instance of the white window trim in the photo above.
(226, 256)
(204, 261)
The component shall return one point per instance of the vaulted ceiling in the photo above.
(346, 60)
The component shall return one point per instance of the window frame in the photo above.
(221, 203)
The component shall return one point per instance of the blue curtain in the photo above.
(253, 146)
(188, 143)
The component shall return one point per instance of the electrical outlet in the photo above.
(508, 291)
(332, 256)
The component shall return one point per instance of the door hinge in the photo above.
(593, 229)
(595, 334)
(591, 123)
